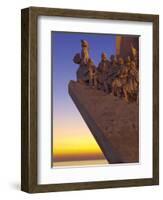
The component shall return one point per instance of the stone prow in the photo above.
(118, 141)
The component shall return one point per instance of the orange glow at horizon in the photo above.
(73, 141)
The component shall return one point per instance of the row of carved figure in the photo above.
(117, 76)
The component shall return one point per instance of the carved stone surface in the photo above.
(124, 45)
(113, 123)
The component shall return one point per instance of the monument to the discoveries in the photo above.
(113, 122)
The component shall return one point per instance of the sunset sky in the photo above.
(72, 140)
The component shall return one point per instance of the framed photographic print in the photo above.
(90, 99)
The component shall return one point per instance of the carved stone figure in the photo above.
(82, 71)
(113, 70)
(116, 76)
(103, 70)
(84, 52)
(82, 74)
(92, 73)
(121, 79)
(130, 88)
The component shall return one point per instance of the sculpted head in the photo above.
(113, 59)
(77, 58)
(84, 43)
(103, 56)
(120, 61)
